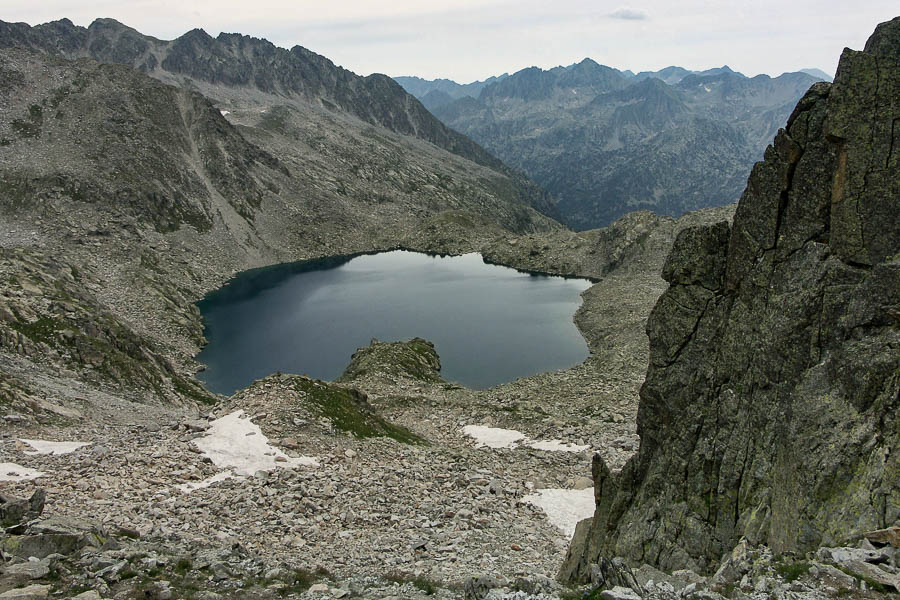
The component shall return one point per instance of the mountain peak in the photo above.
(197, 33)
(817, 73)
(105, 22)
(885, 41)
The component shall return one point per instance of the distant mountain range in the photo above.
(435, 92)
(606, 142)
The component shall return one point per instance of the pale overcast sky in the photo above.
(466, 40)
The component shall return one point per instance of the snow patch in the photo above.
(493, 437)
(556, 446)
(189, 487)
(235, 442)
(14, 472)
(225, 112)
(45, 447)
(564, 508)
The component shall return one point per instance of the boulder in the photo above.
(17, 510)
(478, 587)
(863, 564)
(620, 593)
(26, 571)
(31, 592)
(41, 546)
(614, 573)
(890, 535)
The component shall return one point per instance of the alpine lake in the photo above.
(489, 324)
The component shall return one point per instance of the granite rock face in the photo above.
(769, 410)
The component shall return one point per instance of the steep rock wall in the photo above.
(769, 410)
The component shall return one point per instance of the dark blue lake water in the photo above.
(489, 324)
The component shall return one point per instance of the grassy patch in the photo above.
(30, 127)
(414, 359)
(44, 329)
(870, 583)
(303, 580)
(276, 120)
(183, 566)
(573, 594)
(424, 584)
(193, 391)
(348, 411)
(792, 571)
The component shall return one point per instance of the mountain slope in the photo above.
(769, 410)
(137, 185)
(244, 70)
(606, 143)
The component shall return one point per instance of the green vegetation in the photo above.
(192, 390)
(792, 571)
(349, 412)
(574, 594)
(44, 330)
(870, 583)
(424, 584)
(183, 565)
(31, 127)
(415, 359)
(303, 580)
(276, 119)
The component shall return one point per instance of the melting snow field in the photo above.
(556, 446)
(564, 508)
(14, 472)
(189, 487)
(45, 447)
(495, 437)
(234, 442)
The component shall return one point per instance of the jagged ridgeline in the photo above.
(241, 72)
(607, 142)
(769, 410)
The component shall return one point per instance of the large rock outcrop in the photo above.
(769, 409)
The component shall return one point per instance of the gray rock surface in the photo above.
(31, 592)
(769, 409)
(15, 510)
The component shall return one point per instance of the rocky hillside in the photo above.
(123, 478)
(115, 182)
(247, 70)
(110, 136)
(769, 410)
(607, 142)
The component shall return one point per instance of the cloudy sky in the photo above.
(466, 40)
